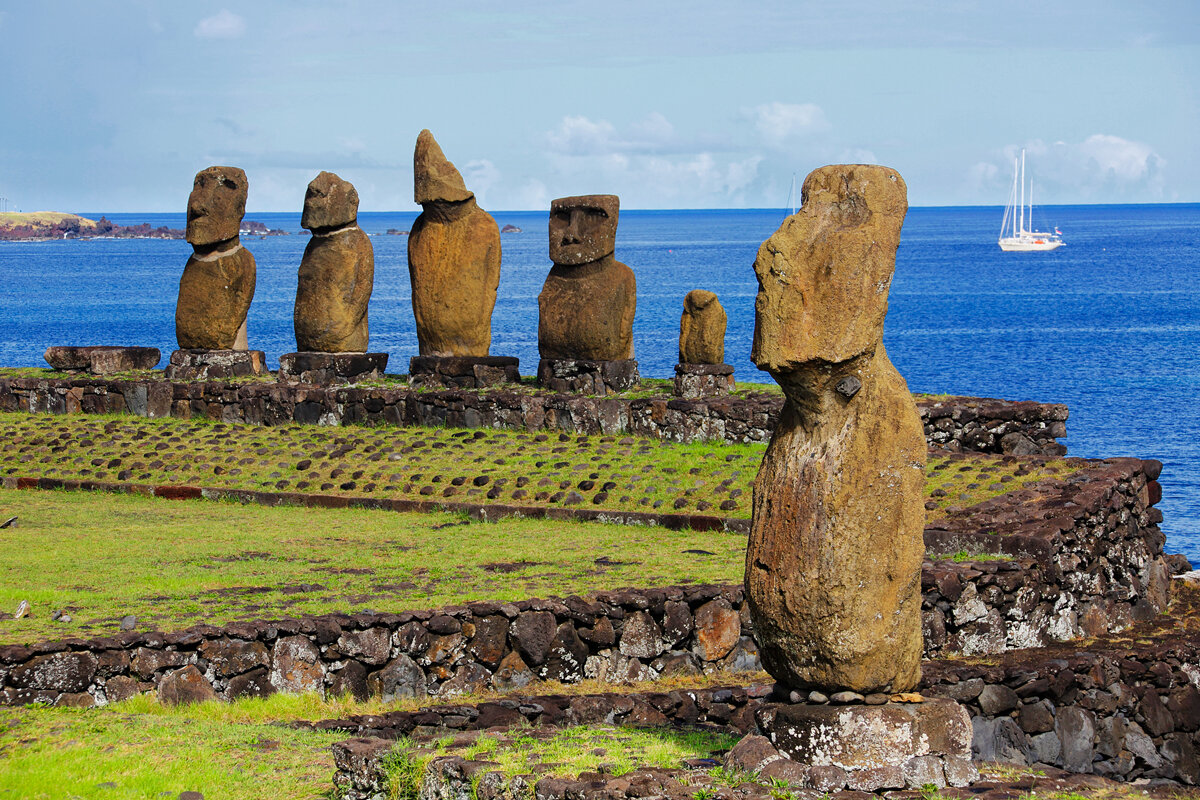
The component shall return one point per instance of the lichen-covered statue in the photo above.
(217, 285)
(588, 301)
(337, 271)
(833, 566)
(453, 259)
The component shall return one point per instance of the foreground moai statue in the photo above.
(218, 281)
(587, 304)
(337, 271)
(702, 371)
(453, 259)
(833, 566)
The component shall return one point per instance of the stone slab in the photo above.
(207, 365)
(463, 372)
(696, 381)
(863, 738)
(579, 376)
(322, 369)
(102, 359)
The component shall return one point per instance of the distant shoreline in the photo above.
(53, 226)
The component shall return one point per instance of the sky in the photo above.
(114, 106)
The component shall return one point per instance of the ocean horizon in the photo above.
(1109, 324)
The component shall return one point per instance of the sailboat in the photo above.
(1014, 236)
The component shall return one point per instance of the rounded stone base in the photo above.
(579, 376)
(694, 381)
(873, 747)
(208, 365)
(463, 372)
(322, 369)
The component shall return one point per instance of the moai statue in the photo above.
(702, 329)
(218, 280)
(833, 566)
(702, 371)
(337, 271)
(587, 304)
(453, 259)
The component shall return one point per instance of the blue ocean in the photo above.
(1108, 324)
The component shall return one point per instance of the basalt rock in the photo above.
(217, 285)
(587, 303)
(337, 271)
(453, 259)
(833, 565)
(702, 329)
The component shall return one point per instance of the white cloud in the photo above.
(1119, 158)
(1101, 168)
(779, 122)
(579, 136)
(222, 25)
(480, 176)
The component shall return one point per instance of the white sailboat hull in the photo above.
(1023, 244)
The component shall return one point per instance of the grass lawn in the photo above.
(620, 473)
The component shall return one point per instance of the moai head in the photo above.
(823, 277)
(435, 180)
(583, 229)
(216, 205)
(330, 202)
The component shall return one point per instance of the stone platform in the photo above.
(580, 376)
(205, 365)
(695, 381)
(102, 359)
(463, 372)
(331, 368)
(864, 747)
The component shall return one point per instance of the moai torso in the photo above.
(702, 329)
(453, 259)
(217, 285)
(337, 272)
(587, 304)
(833, 564)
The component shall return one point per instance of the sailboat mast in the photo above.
(1022, 191)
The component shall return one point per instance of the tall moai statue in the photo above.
(702, 371)
(217, 285)
(833, 566)
(454, 267)
(333, 290)
(587, 304)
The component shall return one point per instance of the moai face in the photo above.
(330, 202)
(583, 229)
(216, 205)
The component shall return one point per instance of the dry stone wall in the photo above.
(951, 423)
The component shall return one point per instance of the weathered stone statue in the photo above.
(453, 259)
(702, 329)
(337, 271)
(833, 566)
(586, 307)
(218, 280)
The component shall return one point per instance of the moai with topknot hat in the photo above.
(217, 285)
(454, 267)
(702, 371)
(333, 290)
(587, 304)
(833, 562)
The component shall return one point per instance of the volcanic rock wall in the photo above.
(951, 423)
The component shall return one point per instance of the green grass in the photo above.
(174, 563)
(116, 752)
(557, 751)
(484, 467)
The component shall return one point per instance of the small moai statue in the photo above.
(833, 565)
(333, 290)
(702, 371)
(454, 267)
(217, 285)
(587, 304)
(337, 271)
